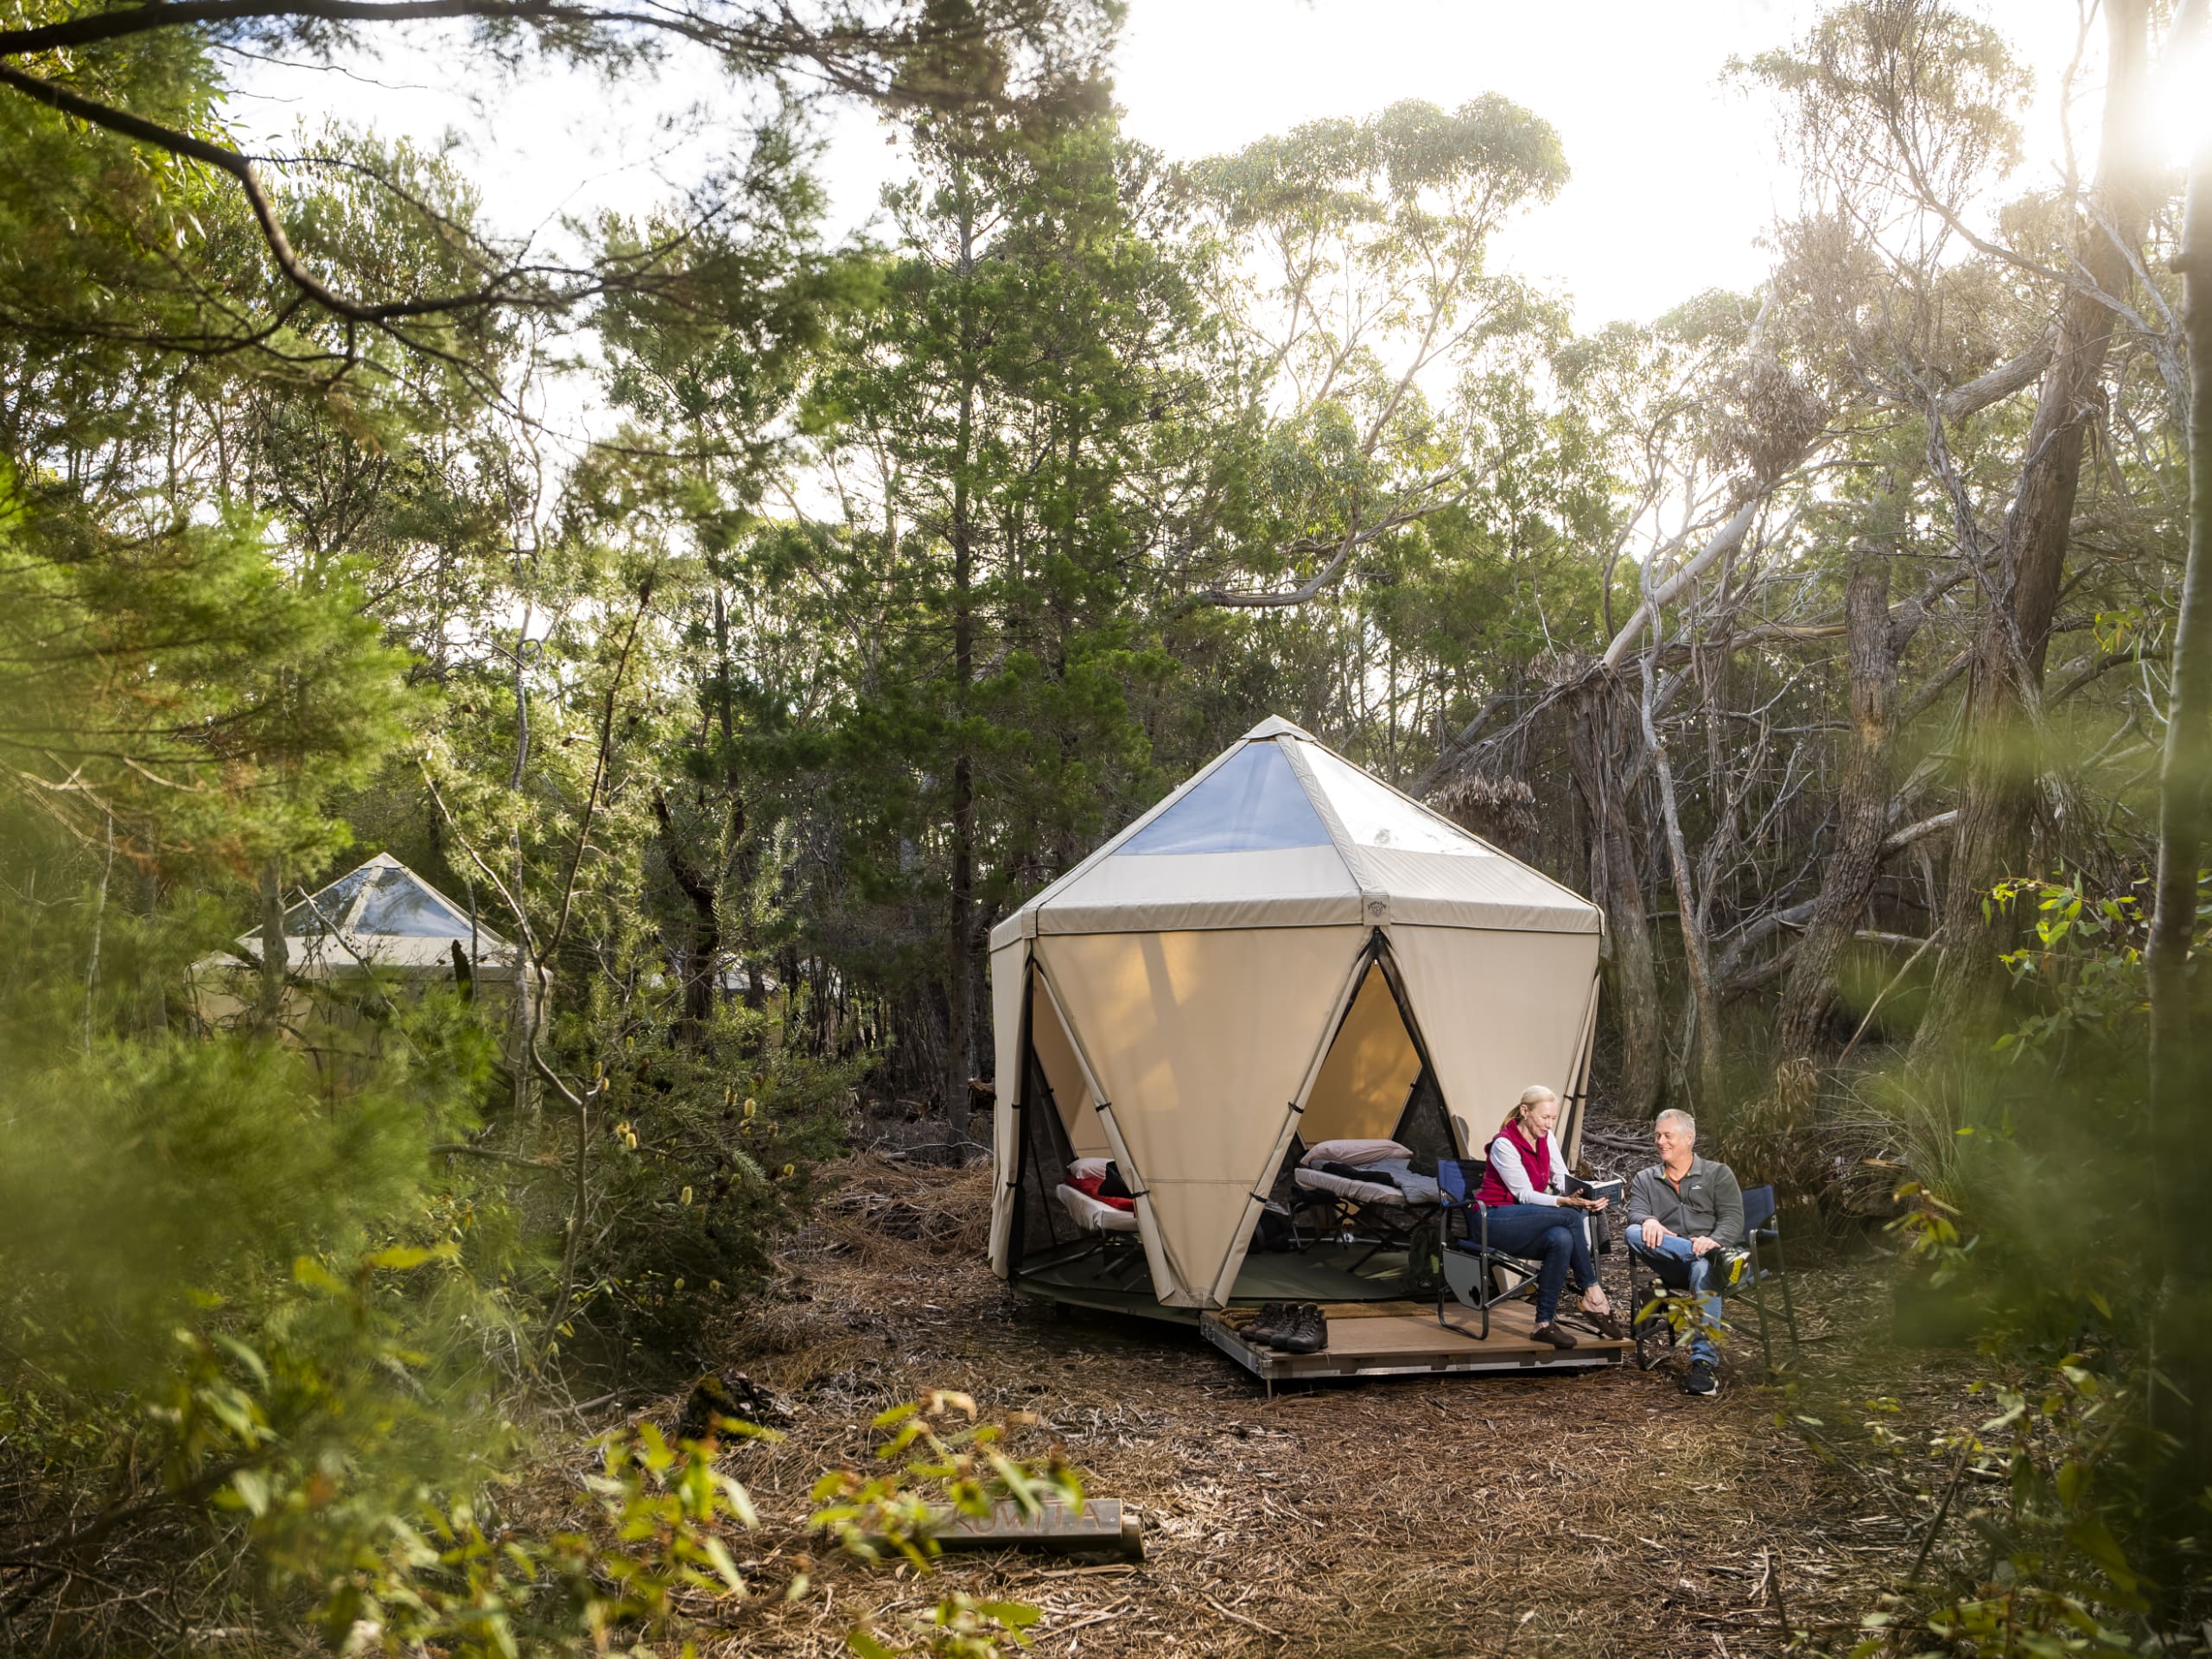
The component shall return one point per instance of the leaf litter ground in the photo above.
(1510, 1518)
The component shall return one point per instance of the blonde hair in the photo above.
(1534, 1095)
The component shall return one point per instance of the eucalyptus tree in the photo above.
(1907, 111)
(1353, 276)
(122, 103)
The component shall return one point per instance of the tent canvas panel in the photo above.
(1086, 1135)
(1375, 814)
(1009, 979)
(1493, 894)
(1497, 1011)
(1170, 891)
(1253, 801)
(1202, 1041)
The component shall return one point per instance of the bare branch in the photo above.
(1724, 540)
(140, 130)
(2015, 374)
(1352, 542)
(2103, 662)
(1898, 840)
(127, 20)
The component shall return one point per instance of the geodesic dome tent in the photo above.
(1285, 952)
(380, 921)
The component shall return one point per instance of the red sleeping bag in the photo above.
(1088, 1186)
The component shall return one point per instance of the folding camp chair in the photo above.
(1749, 1267)
(1471, 1267)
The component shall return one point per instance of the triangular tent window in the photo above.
(397, 903)
(1252, 803)
(1376, 815)
(327, 908)
(383, 900)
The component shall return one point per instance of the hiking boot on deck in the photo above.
(1267, 1329)
(1308, 1330)
(1703, 1381)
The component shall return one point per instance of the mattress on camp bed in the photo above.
(1093, 1216)
(1425, 1192)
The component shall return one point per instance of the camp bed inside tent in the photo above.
(1284, 954)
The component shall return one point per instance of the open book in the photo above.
(1579, 1188)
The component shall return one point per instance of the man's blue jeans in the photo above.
(1681, 1267)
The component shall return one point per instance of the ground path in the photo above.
(1510, 1518)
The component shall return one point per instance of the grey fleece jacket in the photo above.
(1707, 1203)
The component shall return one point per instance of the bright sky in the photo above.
(1675, 175)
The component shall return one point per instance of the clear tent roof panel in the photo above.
(1252, 803)
(326, 908)
(397, 903)
(1376, 815)
(382, 899)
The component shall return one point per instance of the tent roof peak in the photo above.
(1275, 726)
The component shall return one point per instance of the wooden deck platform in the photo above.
(1403, 1339)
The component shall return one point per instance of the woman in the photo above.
(1531, 1215)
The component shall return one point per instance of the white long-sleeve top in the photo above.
(1505, 1163)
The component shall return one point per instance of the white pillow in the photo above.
(1355, 1152)
(1089, 1169)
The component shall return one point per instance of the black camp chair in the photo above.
(1472, 1269)
(1749, 1268)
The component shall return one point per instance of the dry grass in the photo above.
(1508, 1518)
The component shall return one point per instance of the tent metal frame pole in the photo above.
(1578, 1080)
(1224, 1281)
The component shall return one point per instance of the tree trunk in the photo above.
(2004, 688)
(1697, 956)
(2178, 1142)
(960, 1060)
(703, 950)
(1862, 804)
(275, 953)
(1631, 968)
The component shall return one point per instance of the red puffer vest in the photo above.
(1536, 1160)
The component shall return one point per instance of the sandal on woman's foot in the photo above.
(1608, 1327)
(1555, 1335)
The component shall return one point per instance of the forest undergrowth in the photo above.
(1382, 1518)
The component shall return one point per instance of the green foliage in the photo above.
(2084, 973)
(169, 672)
(655, 1553)
(935, 1470)
(2031, 1206)
(708, 1152)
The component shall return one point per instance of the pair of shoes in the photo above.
(1556, 1335)
(1290, 1328)
(1267, 1325)
(1702, 1381)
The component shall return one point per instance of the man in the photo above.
(1685, 1215)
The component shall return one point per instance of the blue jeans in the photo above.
(1554, 1239)
(1681, 1267)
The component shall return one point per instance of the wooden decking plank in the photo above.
(1392, 1336)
